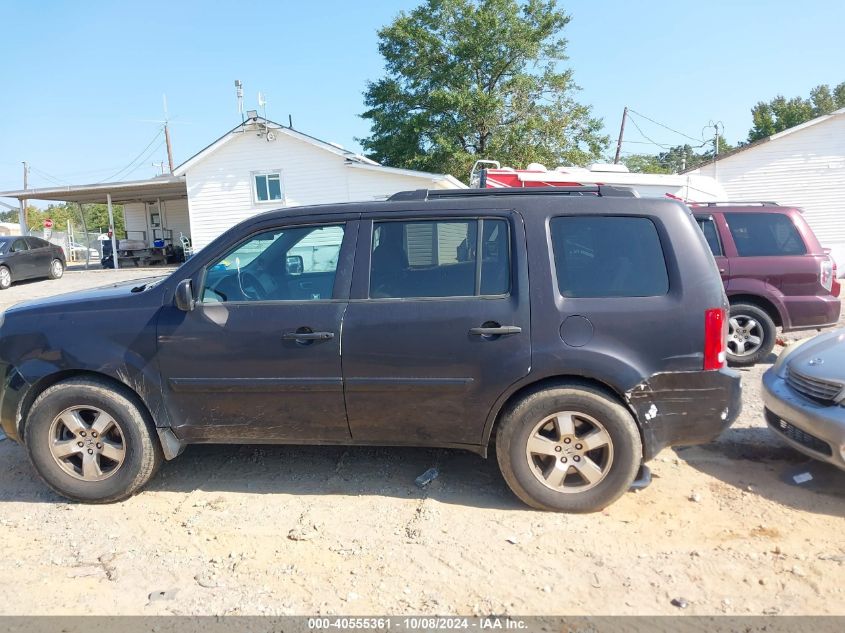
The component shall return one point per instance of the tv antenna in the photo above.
(262, 103)
(239, 93)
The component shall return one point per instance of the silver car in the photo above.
(804, 396)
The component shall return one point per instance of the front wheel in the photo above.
(570, 449)
(57, 269)
(90, 442)
(5, 277)
(751, 335)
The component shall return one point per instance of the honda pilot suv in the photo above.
(775, 271)
(579, 330)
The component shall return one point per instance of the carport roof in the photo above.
(164, 187)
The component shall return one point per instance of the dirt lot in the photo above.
(302, 530)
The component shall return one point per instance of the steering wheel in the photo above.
(251, 287)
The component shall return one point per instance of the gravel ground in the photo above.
(723, 529)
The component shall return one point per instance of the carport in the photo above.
(153, 191)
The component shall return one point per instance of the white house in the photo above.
(803, 166)
(258, 166)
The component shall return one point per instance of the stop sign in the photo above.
(48, 224)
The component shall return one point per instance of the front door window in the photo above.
(291, 264)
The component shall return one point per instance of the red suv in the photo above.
(776, 274)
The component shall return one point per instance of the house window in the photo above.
(268, 186)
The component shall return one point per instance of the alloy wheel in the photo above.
(745, 335)
(57, 268)
(5, 278)
(569, 452)
(87, 443)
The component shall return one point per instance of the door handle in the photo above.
(500, 330)
(307, 336)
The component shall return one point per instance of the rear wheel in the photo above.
(571, 449)
(751, 334)
(57, 269)
(90, 442)
(5, 277)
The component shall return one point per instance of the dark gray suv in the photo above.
(583, 329)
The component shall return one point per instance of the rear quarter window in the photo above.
(711, 234)
(608, 257)
(765, 234)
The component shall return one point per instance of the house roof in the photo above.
(773, 137)
(165, 187)
(278, 129)
(174, 186)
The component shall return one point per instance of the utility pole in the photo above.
(22, 213)
(621, 134)
(167, 136)
(718, 129)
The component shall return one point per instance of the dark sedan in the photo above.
(29, 258)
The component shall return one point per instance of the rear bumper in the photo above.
(685, 408)
(809, 427)
(807, 313)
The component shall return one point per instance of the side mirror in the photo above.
(294, 265)
(185, 296)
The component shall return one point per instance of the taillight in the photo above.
(826, 274)
(715, 338)
(827, 277)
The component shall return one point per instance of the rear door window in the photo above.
(763, 234)
(711, 234)
(440, 258)
(608, 257)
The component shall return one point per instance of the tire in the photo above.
(61, 407)
(747, 323)
(57, 269)
(5, 277)
(523, 471)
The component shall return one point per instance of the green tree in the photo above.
(771, 117)
(96, 218)
(472, 79)
(674, 160)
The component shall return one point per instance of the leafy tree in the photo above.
(96, 218)
(472, 79)
(771, 117)
(674, 160)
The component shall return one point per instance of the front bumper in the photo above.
(812, 428)
(685, 408)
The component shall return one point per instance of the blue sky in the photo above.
(81, 81)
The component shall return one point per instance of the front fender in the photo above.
(41, 349)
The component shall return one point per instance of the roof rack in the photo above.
(739, 203)
(594, 190)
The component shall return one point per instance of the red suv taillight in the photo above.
(715, 338)
(827, 276)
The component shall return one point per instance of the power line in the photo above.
(663, 126)
(136, 159)
(646, 137)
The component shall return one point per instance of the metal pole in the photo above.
(84, 230)
(22, 213)
(112, 231)
(621, 134)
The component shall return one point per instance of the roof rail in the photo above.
(739, 203)
(594, 190)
